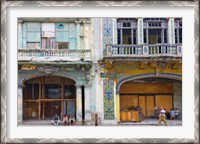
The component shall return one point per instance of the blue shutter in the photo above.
(33, 32)
(62, 32)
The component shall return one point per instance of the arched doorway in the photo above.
(46, 96)
(146, 96)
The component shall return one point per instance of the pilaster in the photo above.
(20, 104)
(140, 36)
(87, 103)
(20, 32)
(78, 104)
(24, 35)
(78, 34)
(171, 31)
(86, 33)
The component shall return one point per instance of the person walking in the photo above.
(162, 117)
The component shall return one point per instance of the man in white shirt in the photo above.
(162, 117)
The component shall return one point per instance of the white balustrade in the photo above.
(53, 55)
(144, 50)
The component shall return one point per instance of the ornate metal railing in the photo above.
(144, 50)
(54, 55)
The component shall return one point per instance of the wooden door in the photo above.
(142, 104)
(164, 101)
(147, 105)
(52, 108)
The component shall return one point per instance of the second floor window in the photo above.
(50, 35)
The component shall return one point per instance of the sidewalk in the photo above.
(146, 122)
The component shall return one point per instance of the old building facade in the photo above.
(104, 66)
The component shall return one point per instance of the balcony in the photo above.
(144, 50)
(51, 55)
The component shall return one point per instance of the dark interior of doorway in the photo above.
(83, 103)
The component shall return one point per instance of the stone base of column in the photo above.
(19, 121)
(110, 122)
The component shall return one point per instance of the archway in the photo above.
(45, 96)
(141, 98)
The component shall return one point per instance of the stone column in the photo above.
(171, 31)
(78, 34)
(140, 37)
(78, 104)
(20, 32)
(20, 104)
(87, 103)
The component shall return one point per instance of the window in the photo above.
(165, 36)
(48, 35)
(145, 35)
(126, 31)
(178, 30)
(119, 36)
(64, 45)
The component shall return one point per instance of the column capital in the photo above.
(87, 85)
(78, 85)
(21, 85)
(86, 22)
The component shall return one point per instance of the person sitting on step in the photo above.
(65, 120)
(72, 120)
(56, 120)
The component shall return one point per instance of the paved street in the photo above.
(146, 122)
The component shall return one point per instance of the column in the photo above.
(171, 31)
(40, 95)
(20, 104)
(162, 36)
(87, 103)
(20, 32)
(62, 96)
(24, 35)
(78, 34)
(140, 37)
(117, 107)
(78, 104)
(147, 35)
(43, 96)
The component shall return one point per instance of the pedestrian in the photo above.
(162, 117)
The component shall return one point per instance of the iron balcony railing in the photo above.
(54, 55)
(144, 50)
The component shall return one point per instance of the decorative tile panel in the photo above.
(108, 94)
(107, 33)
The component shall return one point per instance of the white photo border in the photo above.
(4, 75)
